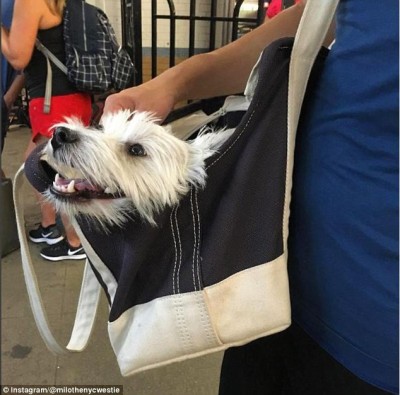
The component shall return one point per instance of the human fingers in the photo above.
(118, 101)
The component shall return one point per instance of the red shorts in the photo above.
(77, 105)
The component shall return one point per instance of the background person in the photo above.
(43, 19)
(276, 6)
(343, 243)
(11, 81)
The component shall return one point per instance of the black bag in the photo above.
(212, 274)
(8, 226)
(94, 63)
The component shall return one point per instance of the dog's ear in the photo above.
(211, 142)
(202, 147)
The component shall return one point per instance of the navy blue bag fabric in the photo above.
(240, 211)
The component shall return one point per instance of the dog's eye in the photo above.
(136, 150)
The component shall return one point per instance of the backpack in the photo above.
(94, 61)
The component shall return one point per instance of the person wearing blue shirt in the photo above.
(343, 238)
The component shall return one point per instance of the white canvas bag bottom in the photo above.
(178, 327)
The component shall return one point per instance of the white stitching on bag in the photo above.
(176, 253)
(194, 239)
(180, 249)
(199, 239)
(234, 142)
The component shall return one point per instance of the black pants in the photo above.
(288, 363)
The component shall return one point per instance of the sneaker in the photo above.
(62, 251)
(50, 235)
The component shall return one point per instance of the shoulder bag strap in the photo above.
(49, 77)
(309, 38)
(89, 295)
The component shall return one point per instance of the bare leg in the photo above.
(72, 237)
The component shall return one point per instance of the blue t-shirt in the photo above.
(343, 239)
(7, 7)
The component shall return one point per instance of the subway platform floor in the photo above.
(25, 360)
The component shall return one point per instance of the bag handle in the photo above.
(313, 27)
(88, 298)
(312, 30)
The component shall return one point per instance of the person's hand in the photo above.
(145, 97)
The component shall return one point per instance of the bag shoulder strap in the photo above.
(49, 77)
(88, 298)
(49, 55)
(313, 27)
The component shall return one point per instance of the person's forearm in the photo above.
(219, 73)
(226, 70)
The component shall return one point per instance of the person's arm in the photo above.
(14, 90)
(221, 72)
(17, 44)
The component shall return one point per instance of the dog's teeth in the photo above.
(108, 190)
(56, 187)
(71, 187)
(57, 178)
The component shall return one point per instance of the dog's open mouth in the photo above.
(80, 189)
(44, 178)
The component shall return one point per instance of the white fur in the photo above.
(149, 183)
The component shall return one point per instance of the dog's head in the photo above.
(131, 164)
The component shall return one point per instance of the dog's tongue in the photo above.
(81, 185)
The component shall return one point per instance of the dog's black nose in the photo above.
(62, 136)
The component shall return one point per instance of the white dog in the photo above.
(131, 165)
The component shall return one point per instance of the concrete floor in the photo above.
(25, 359)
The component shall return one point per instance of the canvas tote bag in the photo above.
(212, 274)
